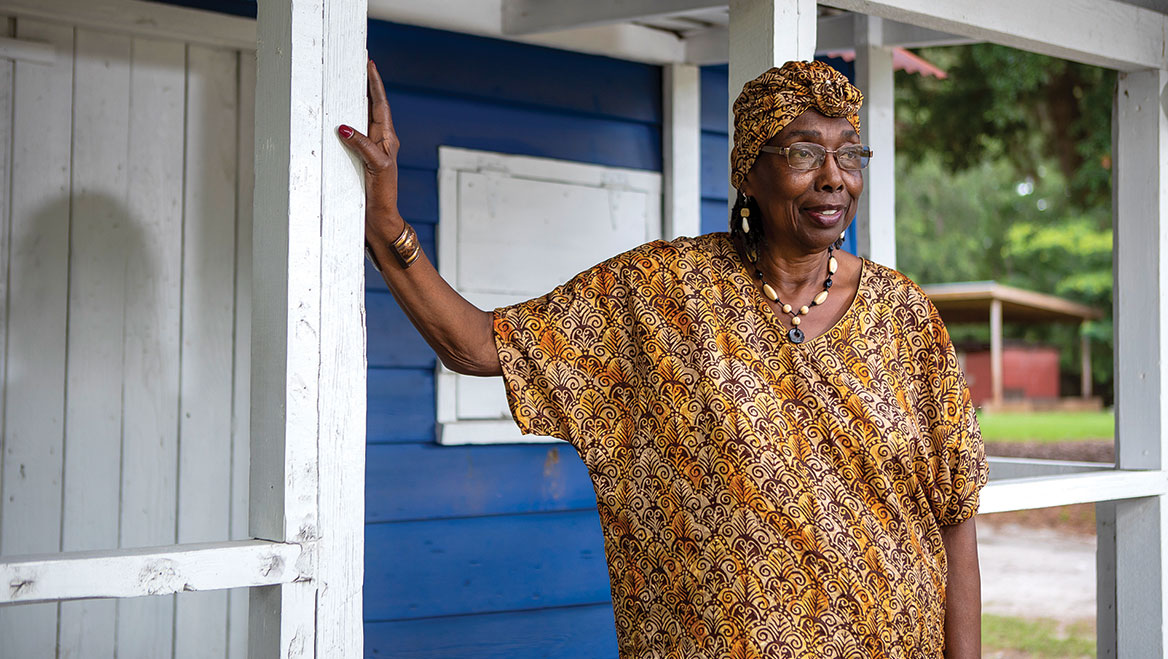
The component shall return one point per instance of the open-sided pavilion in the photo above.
(303, 559)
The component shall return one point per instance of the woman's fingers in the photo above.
(380, 119)
(374, 155)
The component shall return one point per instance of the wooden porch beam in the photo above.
(533, 16)
(149, 571)
(1100, 32)
(1063, 490)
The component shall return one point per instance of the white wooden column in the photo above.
(1140, 141)
(308, 361)
(876, 231)
(683, 150)
(764, 34)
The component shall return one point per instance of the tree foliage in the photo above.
(1003, 173)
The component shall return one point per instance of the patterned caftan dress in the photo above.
(758, 498)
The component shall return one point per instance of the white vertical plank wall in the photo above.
(682, 150)
(145, 626)
(241, 400)
(99, 240)
(307, 351)
(34, 423)
(1140, 197)
(204, 505)
(7, 26)
(876, 232)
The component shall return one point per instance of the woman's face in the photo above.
(806, 209)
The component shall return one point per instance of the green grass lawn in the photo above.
(1046, 426)
(1036, 638)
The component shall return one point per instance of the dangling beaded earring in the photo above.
(839, 242)
(744, 215)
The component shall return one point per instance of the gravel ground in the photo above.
(1041, 563)
(1036, 572)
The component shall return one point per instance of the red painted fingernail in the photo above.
(345, 131)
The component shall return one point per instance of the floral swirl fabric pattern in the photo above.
(758, 498)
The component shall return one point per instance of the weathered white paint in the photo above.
(101, 238)
(876, 231)
(241, 396)
(712, 45)
(137, 17)
(28, 51)
(1140, 198)
(1004, 468)
(7, 27)
(308, 365)
(767, 33)
(204, 505)
(529, 16)
(1101, 32)
(37, 308)
(341, 548)
(1062, 490)
(152, 334)
(147, 571)
(682, 150)
(550, 220)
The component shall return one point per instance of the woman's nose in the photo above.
(829, 177)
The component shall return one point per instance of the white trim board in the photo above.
(150, 19)
(148, 571)
(476, 189)
(1047, 491)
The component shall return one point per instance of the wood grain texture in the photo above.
(501, 72)
(237, 598)
(209, 226)
(30, 486)
(400, 404)
(583, 632)
(145, 627)
(425, 481)
(148, 571)
(102, 243)
(479, 565)
(1080, 30)
(342, 375)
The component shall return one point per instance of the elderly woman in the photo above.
(784, 452)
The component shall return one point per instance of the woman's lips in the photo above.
(825, 215)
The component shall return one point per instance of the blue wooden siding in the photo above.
(715, 165)
(485, 551)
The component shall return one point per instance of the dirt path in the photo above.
(1036, 572)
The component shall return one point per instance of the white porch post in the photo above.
(683, 150)
(1138, 540)
(763, 34)
(876, 231)
(308, 354)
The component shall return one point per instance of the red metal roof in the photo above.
(902, 60)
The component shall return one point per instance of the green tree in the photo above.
(1003, 173)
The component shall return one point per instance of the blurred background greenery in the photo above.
(1004, 173)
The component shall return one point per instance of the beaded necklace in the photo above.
(795, 335)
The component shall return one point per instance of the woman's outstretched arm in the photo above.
(461, 333)
(962, 592)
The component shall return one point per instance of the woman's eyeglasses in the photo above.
(807, 155)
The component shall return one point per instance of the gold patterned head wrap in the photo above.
(774, 99)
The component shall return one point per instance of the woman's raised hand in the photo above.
(378, 150)
(460, 333)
